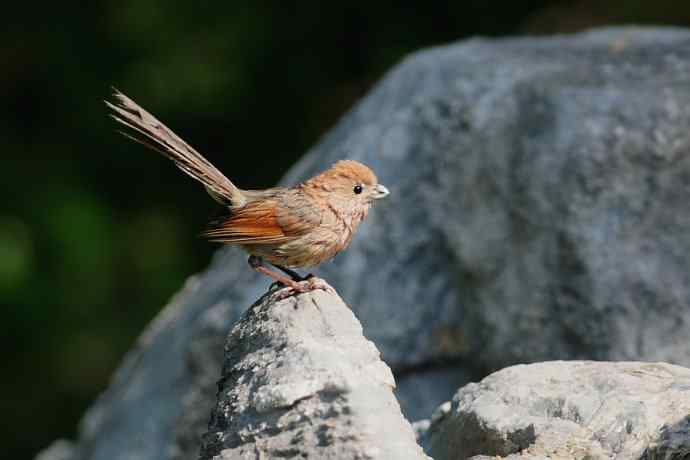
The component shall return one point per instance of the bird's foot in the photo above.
(293, 283)
(300, 287)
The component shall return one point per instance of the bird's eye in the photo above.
(358, 189)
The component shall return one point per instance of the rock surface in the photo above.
(569, 410)
(301, 381)
(538, 211)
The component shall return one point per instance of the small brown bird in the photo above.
(293, 227)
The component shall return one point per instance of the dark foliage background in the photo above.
(95, 232)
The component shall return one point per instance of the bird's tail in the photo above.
(147, 130)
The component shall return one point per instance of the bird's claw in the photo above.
(310, 284)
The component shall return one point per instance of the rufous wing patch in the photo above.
(253, 224)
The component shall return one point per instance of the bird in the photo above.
(286, 227)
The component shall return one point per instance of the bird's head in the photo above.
(348, 183)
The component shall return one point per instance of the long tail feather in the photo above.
(149, 131)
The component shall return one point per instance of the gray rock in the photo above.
(538, 211)
(301, 381)
(569, 410)
(58, 450)
(425, 388)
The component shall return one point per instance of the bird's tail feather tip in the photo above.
(149, 131)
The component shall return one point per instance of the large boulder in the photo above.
(538, 210)
(569, 410)
(301, 381)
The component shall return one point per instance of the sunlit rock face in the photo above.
(568, 409)
(301, 381)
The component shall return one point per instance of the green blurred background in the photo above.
(96, 233)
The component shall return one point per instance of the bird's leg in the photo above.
(310, 283)
(258, 264)
(291, 273)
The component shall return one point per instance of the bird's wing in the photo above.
(281, 216)
(255, 223)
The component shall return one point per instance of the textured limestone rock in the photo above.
(301, 381)
(569, 410)
(538, 210)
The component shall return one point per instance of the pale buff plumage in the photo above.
(293, 227)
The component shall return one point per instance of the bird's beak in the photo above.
(379, 192)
